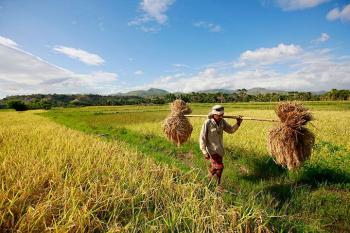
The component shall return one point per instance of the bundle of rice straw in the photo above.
(176, 126)
(290, 143)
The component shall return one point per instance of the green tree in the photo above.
(17, 105)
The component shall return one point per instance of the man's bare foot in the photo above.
(219, 188)
(210, 176)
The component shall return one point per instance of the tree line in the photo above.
(41, 101)
(242, 96)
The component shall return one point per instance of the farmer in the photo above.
(211, 140)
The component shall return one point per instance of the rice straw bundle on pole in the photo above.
(176, 126)
(290, 143)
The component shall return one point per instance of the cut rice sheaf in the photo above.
(176, 126)
(290, 142)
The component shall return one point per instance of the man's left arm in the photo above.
(231, 129)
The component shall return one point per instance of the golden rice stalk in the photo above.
(293, 114)
(180, 106)
(1, 138)
(176, 126)
(290, 143)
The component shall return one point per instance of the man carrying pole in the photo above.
(211, 140)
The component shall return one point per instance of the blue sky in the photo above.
(115, 46)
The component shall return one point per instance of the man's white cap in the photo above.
(217, 110)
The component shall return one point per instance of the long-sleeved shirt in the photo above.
(211, 137)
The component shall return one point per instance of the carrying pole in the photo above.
(235, 117)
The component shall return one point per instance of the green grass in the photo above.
(314, 198)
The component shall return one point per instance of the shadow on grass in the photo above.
(255, 167)
(282, 193)
(308, 178)
(262, 168)
(316, 175)
(268, 178)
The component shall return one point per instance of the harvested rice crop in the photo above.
(290, 142)
(176, 126)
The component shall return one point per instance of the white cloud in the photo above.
(24, 73)
(341, 14)
(144, 23)
(209, 26)
(140, 20)
(153, 11)
(180, 65)
(156, 9)
(7, 42)
(323, 38)
(150, 29)
(284, 67)
(264, 56)
(81, 55)
(138, 72)
(312, 71)
(290, 5)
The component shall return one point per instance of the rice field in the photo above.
(111, 169)
(61, 180)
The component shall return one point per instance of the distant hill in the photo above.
(154, 92)
(318, 92)
(252, 91)
(213, 91)
(260, 90)
(146, 93)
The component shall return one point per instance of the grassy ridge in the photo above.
(57, 179)
(315, 198)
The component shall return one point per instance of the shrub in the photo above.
(17, 105)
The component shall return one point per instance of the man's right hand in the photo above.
(207, 156)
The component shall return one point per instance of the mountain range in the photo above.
(159, 92)
(146, 93)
